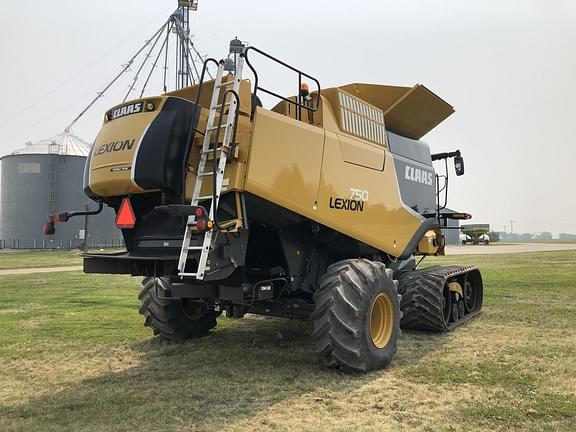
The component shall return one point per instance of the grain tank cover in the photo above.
(409, 112)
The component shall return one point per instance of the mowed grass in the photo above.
(39, 259)
(74, 356)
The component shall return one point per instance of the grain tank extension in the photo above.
(315, 209)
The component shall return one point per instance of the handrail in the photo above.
(192, 130)
(301, 74)
(215, 146)
(204, 69)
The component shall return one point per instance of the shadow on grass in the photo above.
(242, 369)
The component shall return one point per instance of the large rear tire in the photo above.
(357, 316)
(173, 319)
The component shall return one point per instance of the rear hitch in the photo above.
(50, 229)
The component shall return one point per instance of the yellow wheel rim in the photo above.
(381, 320)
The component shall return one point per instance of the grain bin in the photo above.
(45, 178)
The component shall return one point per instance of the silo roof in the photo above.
(64, 144)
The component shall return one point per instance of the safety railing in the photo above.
(299, 102)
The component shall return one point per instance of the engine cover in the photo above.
(142, 147)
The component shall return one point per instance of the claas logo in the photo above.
(125, 110)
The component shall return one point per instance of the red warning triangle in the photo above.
(125, 218)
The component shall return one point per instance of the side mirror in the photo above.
(459, 165)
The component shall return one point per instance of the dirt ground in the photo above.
(506, 248)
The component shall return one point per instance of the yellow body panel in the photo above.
(304, 169)
(383, 223)
(110, 171)
(361, 153)
(428, 245)
(285, 160)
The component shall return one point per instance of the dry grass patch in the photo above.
(23, 379)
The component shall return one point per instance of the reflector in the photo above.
(125, 218)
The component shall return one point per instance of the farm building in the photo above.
(45, 178)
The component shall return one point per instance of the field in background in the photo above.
(75, 356)
(10, 259)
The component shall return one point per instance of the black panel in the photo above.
(87, 189)
(165, 147)
(417, 183)
(412, 149)
(415, 173)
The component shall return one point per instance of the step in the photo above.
(227, 83)
(213, 128)
(205, 174)
(218, 150)
(222, 105)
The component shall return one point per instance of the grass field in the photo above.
(74, 356)
(32, 259)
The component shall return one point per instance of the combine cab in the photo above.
(314, 209)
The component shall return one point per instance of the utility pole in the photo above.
(511, 226)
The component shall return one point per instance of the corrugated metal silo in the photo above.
(46, 178)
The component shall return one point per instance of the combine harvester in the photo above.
(314, 209)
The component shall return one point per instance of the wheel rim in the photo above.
(381, 320)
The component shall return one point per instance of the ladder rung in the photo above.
(188, 274)
(195, 247)
(213, 128)
(211, 151)
(227, 83)
(204, 174)
(202, 198)
(225, 104)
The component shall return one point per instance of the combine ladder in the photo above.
(201, 173)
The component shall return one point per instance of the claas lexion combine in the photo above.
(315, 209)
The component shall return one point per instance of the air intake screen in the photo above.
(361, 119)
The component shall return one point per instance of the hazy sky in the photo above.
(507, 66)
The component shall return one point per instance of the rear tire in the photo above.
(357, 316)
(171, 319)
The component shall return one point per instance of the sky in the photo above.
(507, 66)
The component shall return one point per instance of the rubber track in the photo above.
(422, 298)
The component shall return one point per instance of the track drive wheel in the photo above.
(357, 316)
(177, 320)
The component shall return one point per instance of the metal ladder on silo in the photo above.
(222, 152)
